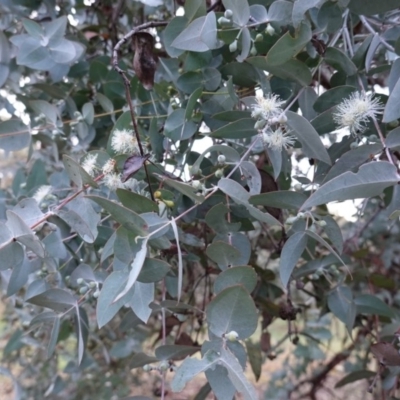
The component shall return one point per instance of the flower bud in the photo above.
(83, 290)
(157, 194)
(96, 294)
(282, 119)
(147, 368)
(321, 223)
(233, 46)
(197, 185)
(270, 30)
(219, 173)
(221, 159)
(228, 13)
(169, 203)
(259, 37)
(232, 336)
(164, 365)
(80, 281)
(224, 22)
(298, 187)
(253, 51)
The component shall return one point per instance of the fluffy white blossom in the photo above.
(42, 193)
(124, 142)
(113, 181)
(353, 113)
(267, 107)
(277, 139)
(89, 164)
(109, 166)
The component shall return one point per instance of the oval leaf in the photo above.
(291, 253)
(371, 180)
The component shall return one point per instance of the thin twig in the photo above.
(372, 30)
(114, 63)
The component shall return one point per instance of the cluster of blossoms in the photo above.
(354, 112)
(122, 142)
(269, 113)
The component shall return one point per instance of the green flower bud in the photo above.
(147, 368)
(253, 51)
(219, 173)
(197, 185)
(270, 30)
(92, 285)
(80, 281)
(282, 119)
(232, 336)
(233, 46)
(333, 268)
(228, 13)
(259, 37)
(83, 290)
(221, 159)
(336, 273)
(164, 365)
(96, 294)
(321, 223)
(224, 22)
(298, 187)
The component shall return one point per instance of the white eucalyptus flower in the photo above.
(278, 139)
(113, 181)
(42, 193)
(267, 107)
(109, 166)
(353, 113)
(89, 164)
(124, 142)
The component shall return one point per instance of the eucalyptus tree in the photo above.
(169, 202)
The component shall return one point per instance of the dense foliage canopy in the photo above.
(168, 198)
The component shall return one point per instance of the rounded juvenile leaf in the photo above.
(232, 310)
(200, 35)
(244, 276)
(223, 254)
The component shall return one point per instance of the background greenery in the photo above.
(220, 252)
